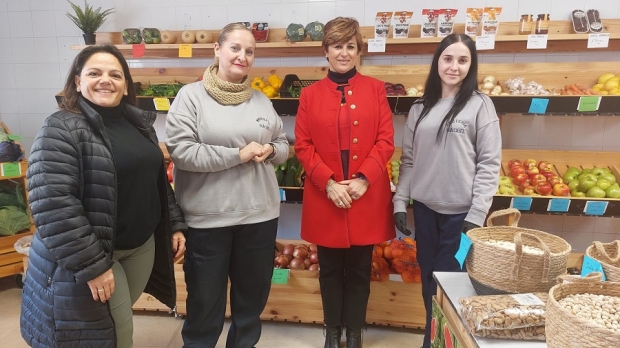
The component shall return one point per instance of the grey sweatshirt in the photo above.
(212, 186)
(460, 173)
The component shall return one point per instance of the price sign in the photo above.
(598, 40)
(591, 265)
(282, 195)
(161, 104)
(538, 106)
(137, 50)
(595, 208)
(558, 205)
(485, 42)
(11, 169)
(376, 45)
(588, 103)
(185, 50)
(280, 276)
(537, 42)
(464, 247)
(15, 137)
(521, 203)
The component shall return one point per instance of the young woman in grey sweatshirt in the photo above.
(450, 162)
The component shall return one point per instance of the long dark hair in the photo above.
(70, 93)
(432, 88)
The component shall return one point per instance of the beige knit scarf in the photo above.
(224, 92)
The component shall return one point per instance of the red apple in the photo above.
(555, 180)
(514, 163)
(548, 174)
(516, 170)
(521, 178)
(536, 179)
(531, 170)
(525, 185)
(544, 165)
(169, 171)
(561, 189)
(543, 188)
(530, 163)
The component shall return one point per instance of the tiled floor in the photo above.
(155, 329)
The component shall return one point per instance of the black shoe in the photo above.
(332, 336)
(354, 338)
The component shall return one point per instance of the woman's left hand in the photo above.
(178, 243)
(355, 187)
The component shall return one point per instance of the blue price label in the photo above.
(464, 247)
(591, 265)
(282, 195)
(595, 208)
(558, 205)
(521, 203)
(538, 106)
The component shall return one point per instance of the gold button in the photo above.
(355, 158)
(352, 106)
(354, 140)
(355, 123)
(350, 92)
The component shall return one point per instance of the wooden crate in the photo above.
(392, 303)
(11, 262)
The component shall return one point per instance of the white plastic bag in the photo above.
(23, 245)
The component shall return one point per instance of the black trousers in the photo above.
(243, 253)
(344, 278)
(438, 237)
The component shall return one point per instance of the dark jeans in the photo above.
(437, 238)
(243, 253)
(344, 278)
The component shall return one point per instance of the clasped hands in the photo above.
(343, 193)
(255, 152)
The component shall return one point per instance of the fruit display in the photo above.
(271, 89)
(392, 89)
(591, 182)
(299, 256)
(396, 256)
(607, 84)
(290, 173)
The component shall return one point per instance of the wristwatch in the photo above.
(273, 153)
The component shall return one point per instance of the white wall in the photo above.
(35, 36)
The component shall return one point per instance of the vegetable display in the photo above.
(315, 31)
(13, 214)
(161, 90)
(131, 36)
(295, 32)
(151, 35)
(289, 174)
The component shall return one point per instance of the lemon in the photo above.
(603, 92)
(609, 85)
(605, 77)
(615, 91)
(598, 87)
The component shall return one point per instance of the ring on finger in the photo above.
(99, 290)
(340, 204)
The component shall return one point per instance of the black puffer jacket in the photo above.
(72, 194)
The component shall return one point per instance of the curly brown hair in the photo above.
(341, 30)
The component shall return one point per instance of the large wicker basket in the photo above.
(608, 254)
(564, 329)
(494, 270)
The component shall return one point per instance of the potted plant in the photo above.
(88, 19)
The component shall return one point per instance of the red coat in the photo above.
(369, 220)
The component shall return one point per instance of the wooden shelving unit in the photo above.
(561, 39)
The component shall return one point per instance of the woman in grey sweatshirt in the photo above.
(450, 162)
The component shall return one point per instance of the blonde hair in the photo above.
(341, 30)
(229, 28)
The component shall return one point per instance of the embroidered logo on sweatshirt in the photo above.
(457, 126)
(263, 123)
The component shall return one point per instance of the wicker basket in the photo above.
(494, 270)
(608, 254)
(564, 329)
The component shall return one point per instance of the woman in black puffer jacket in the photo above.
(103, 209)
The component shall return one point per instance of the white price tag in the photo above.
(376, 45)
(537, 42)
(528, 299)
(598, 40)
(485, 42)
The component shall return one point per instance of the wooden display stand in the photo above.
(391, 303)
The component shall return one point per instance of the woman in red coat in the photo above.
(344, 138)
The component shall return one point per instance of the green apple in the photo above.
(597, 171)
(586, 182)
(613, 191)
(607, 170)
(609, 177)
(504, 180)
(570, 176)
(603, 184)
(586, 171)
(595, 192)
(573, 170)
(576, 193)
(572, 185)
(506, 189)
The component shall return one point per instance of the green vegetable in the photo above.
(151, 35)
(294, 91)
(131, 36)
(162, 90)
(279, 176)
(12, 220)
(315, 31)
(295, 32)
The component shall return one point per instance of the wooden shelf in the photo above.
(561, 39)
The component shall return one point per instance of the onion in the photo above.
(300, 252)
(312, 248)
(488, 85)
(289, 257)
(288, 249)
(314, 257)
(489, 78)
(307, 263)
(314, 267)
(281, 261)
(296, 263)
(302, 246)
